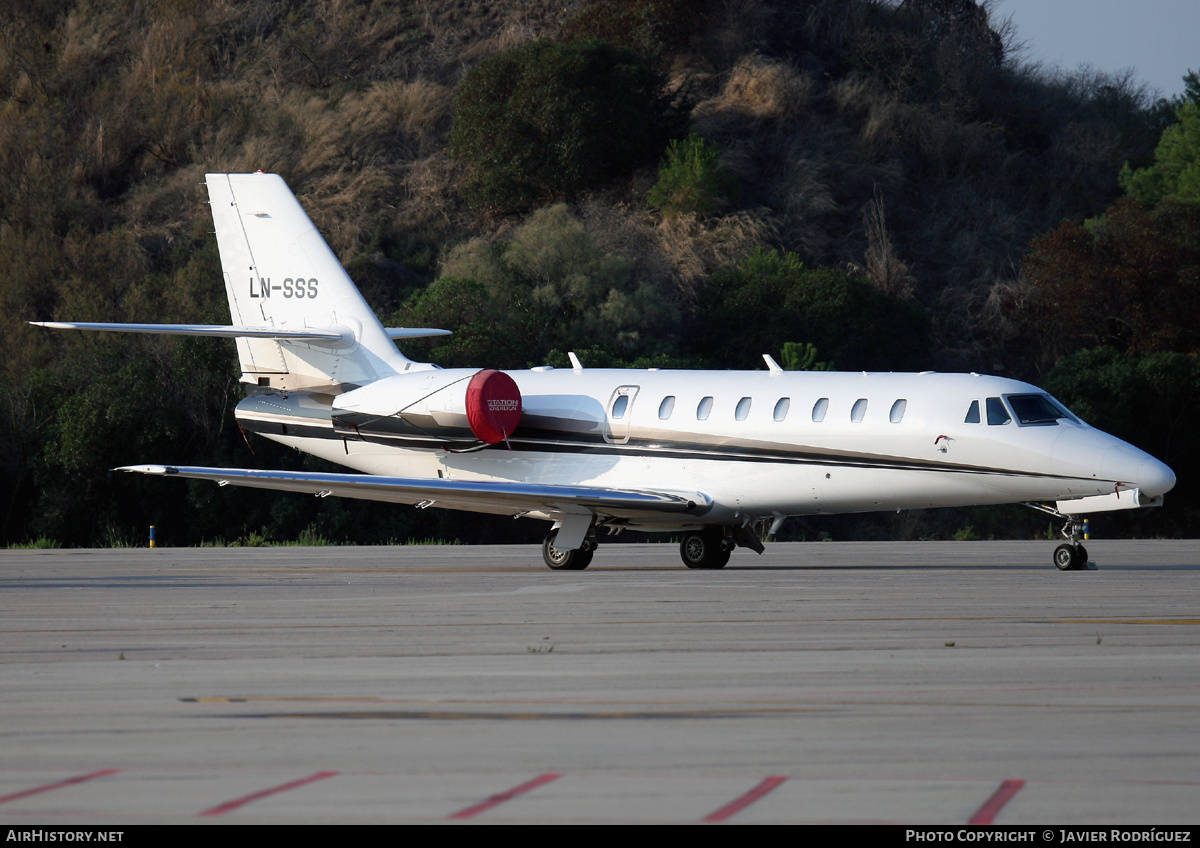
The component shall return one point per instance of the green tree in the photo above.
(545, 120)
(769, 299)
(509, 303)
(802, 357)
(1132, 282)
(691, 178)
(1176, 169)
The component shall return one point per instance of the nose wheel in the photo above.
(1070, 557)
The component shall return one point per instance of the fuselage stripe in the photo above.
(306, 428)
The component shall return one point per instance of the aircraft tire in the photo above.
(704, 549)
(576, 560)
(1070, 557)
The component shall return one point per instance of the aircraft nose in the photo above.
(1155, 478)
(1133, 467)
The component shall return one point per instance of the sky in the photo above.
(1159, 39)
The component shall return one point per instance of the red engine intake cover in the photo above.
(493, 405)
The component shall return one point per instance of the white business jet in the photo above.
(714, 455)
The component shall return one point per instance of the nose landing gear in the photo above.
(1072, 556)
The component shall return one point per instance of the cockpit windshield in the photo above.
(1038, 409)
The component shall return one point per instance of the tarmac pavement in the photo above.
(915, 683)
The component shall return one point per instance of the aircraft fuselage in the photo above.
(760, 444)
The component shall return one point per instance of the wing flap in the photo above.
(488, 496)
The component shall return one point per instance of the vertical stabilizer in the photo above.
(279, 273)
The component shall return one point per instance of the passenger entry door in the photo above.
(618, 413)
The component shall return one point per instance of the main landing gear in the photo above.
(576, 560)
(707, 548)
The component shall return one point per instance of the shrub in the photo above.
(650, 28)
(545, 121)
(770, 299)
(691, 179)
(510, 302)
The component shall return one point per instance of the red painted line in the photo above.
(987, 813)
(738, 804)
(70, 781)
(230, 806)
(497, 800)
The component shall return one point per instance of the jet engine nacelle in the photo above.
(463, 405)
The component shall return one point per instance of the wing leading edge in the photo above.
(509, 498)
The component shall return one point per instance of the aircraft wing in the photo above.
(505, 498)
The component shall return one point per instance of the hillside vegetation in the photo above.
(646, 182)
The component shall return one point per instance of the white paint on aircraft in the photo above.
(713, 455)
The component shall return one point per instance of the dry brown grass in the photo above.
(759, 89)
(429, 200)
(806, 199)
(881, 263)
(698, 245)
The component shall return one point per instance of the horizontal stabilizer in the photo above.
(414, 332)
(220, 330)
(224, 331)
(510, 497)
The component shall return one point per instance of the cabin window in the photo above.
(666, 407)
(619, 406)
(704, 409)
(972, 413)
(743, 409)
(858, 410)
(781, 408)
(897, 413)
(996, 412)
(819, 410)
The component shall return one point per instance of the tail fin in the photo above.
(280, 274)
(298, 320)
